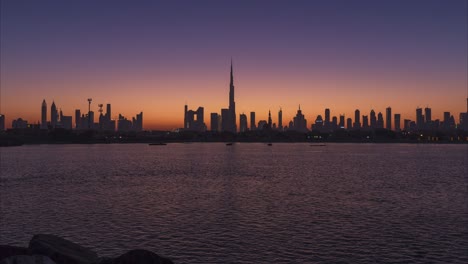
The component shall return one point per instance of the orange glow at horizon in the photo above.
(162, 100)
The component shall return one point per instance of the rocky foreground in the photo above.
(50, 249)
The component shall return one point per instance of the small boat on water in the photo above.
(318, 145)
(229, 144)
(270, 144)
(157, 144)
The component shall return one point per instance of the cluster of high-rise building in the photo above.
(226, 121)
(83, 121)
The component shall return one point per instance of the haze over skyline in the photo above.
(154, 57)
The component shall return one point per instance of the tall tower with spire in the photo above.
(269, 119)
(232, 105)
(53, 115)
(44, 115)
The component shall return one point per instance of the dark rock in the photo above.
(8, 251)
(61, 250)
(23, 259)
(140, 256)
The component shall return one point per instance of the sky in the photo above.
(155, 56)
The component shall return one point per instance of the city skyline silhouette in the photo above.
(226, 120)
(320, 55)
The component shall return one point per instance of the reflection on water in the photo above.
(246, 203)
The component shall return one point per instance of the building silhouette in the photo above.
(252, 121)
(428, 118)
(380, 121)
(138, 122)
(357, 119)
(194, 120)
(419, 118)
(77, 119)
(224, 119)
(44, 115)
(397, 118)
(53, 115)
(349, 123)
(365, 122)
(270, 125)
(280, 119)
(126, 125)
(243, 122)
(90, 119)
(388, 123)
(19, 124)
(373, 119)
(2, 122)
(446, 121)
(334, 123)
(65, 121)
(105, 121)
(406, 124)
(428, 114)
(214, 122)
(229, 118)
(299, 121)
(342, 121)
(123, 124)
(318, 125)
(326, 122)
(262, 125)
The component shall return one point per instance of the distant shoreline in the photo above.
(62, 136)
(234, 142)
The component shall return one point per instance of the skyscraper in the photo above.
(252, 121)
(195, 120)
(243, 122)
(300, 123)
(214, 122)
(349, 123)
(357, 119)
(269, 119)
(365, 121)
(397, 118)
(428, 115)
(318, 123)
(44, 115)
(224, 119)
(334, 123)
(137, 123)
(388, 121)
(77, 118)
(108, 112)
(373, 119)
(2, 122)
(446, 124)
(53, 115)
(280, 119)
(185, 116)
(419, 118)
(380, 122)
(327, 118)
(342, 121)
(232, 127)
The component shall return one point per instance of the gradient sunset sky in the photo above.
(154, 56)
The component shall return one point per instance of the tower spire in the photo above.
(232, 105)
(232, 76)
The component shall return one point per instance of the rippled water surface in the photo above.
(246, 203)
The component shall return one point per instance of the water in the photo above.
(247, 203)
